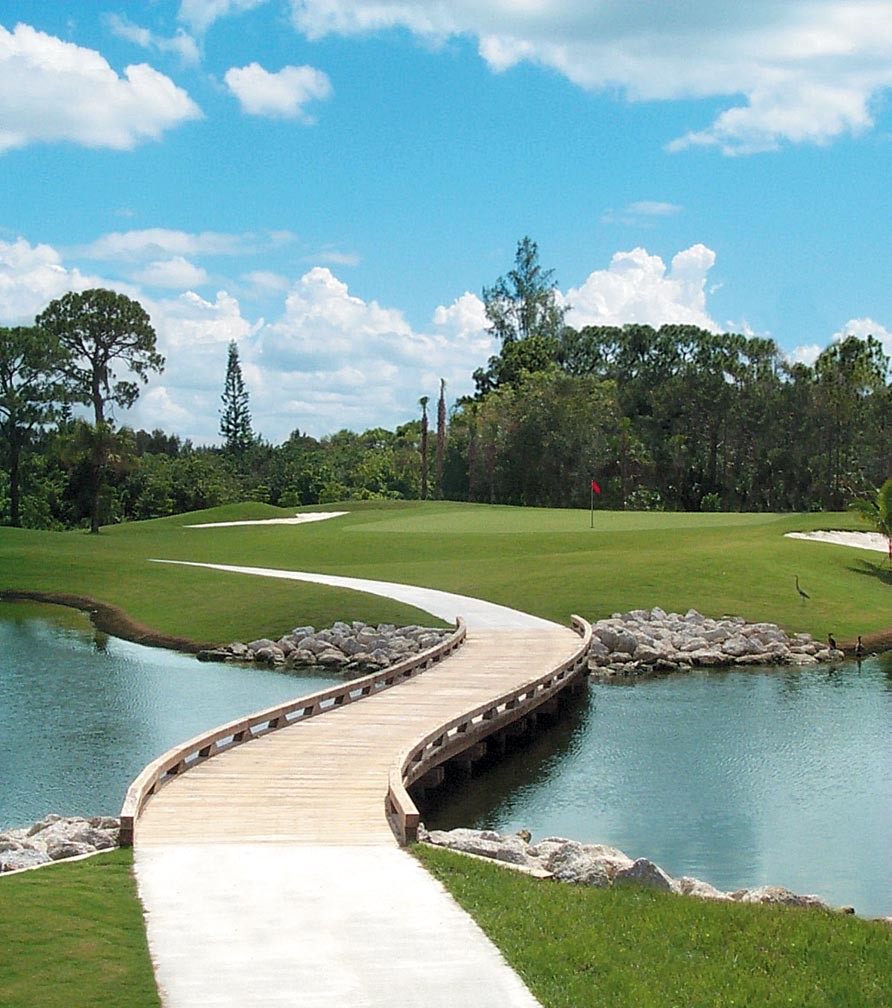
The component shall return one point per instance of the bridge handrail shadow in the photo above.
(463, 731)
(203, 747)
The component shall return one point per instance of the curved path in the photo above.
(477, 613)
(270, 875)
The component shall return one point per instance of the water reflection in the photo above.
(82, 713)
(740, 778)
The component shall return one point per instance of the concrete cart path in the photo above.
(263, 926)
(477, 613)
(270, 875)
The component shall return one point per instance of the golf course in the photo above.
(572, 946)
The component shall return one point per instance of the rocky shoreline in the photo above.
(602, 866)
(646, 641)
(55, 838)
(352, 648)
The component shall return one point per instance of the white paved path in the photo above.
(477, 613)
(264, 926)
(258, 924)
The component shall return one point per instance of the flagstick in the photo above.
(593, 505)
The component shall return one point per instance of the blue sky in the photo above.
(332, 183)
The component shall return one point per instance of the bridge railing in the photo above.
(211, 743)
(462, 732)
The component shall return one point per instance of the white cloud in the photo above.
(863, 327)
(135, 246)
(808, 70)
(175, 273)
(30, 277)
(642, 212)
(53, 91)
(637, 287)
(181, 44)
(805, 354)
(280, 95)
(201, 14)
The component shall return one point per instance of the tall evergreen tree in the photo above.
(235, 416)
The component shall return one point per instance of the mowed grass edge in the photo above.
(578, 947)
(73, 934)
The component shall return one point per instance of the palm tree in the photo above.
(441, 436)
(878, 512)
(422, 402)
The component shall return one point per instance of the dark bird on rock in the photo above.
(801, 592)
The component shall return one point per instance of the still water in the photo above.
(738, 778)
(82, 713)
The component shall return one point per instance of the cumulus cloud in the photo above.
(808, 70)
(30, 277)
(181, 44)
(280, 95)
(53, 91)
(637, 287)
(863, 327)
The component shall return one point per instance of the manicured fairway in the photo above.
(548, 562)
(577, 947)
(72, 934)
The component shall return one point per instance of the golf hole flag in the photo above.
(595, 490)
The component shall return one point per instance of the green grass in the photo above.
(633, 948)
(544, 561)
(72, 935)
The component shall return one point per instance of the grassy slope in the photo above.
(547, 562)
(544, 561)
(73, 934)
(633, 948)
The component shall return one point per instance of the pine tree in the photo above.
(235, 417)
(423, 401)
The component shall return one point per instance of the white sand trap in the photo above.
(858, 540)
(300, 519)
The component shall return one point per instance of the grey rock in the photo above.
(646, 873)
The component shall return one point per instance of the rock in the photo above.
(43, 824)
(483, 843)
(332, 658)
(702, 890)
(263, 642)
(25, 857)
(569, 862)
(272, 655)
(646, 873)
(779, 896)
(59, 849)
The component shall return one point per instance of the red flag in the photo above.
(595, 487)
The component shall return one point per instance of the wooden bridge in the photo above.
(333, 770)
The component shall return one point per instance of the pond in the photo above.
(740, 778)
(82, 713)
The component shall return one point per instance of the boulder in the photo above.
(645, 873)
(702, 890)
(779, 896)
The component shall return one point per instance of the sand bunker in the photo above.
(300, 519)
(859, 540)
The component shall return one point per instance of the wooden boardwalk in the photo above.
(271, 876)
(325, 780)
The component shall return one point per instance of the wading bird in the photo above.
(801, 592)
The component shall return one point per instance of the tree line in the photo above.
(675, 418)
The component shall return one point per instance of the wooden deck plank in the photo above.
(325, 779)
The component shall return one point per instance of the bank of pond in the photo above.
(743, 778)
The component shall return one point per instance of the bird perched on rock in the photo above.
(801, 592)
(831, 641)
